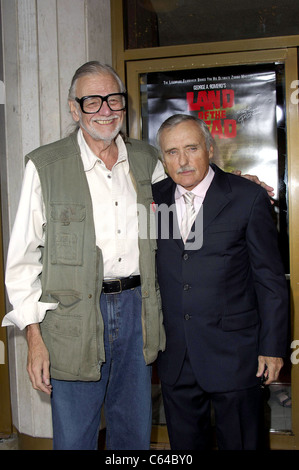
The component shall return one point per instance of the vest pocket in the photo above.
(65, 298)
(61, 331)
(62, 336)
(67, 226)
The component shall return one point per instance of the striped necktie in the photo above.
(189, 215)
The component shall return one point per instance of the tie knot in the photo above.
(189, 198)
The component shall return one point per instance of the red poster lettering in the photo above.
(230, 128)
(228, 98)
(210, 100)
(227, 131)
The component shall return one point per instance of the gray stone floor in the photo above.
(9, 444)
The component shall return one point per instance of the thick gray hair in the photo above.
(93, 68)
(176, 119)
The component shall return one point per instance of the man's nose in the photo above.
(105, 108)
(183, 158)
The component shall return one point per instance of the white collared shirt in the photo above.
(112, 194)
(199, 191)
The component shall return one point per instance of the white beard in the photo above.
(97, 134)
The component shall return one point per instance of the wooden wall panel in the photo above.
(44, 42)
(71, 38)
(48, 71)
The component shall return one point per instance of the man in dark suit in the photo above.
(224, 294)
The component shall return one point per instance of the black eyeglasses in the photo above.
(93, 103)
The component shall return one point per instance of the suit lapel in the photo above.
(217, 197)
(167, 194)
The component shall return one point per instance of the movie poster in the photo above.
(237, 103)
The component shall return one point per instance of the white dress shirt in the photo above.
(116, 227)
(199, 191)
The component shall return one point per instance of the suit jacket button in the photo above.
(186, 286)
(185, 256)
(187, 317)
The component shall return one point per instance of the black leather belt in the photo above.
(116, 286)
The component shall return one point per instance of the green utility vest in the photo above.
(72, 273)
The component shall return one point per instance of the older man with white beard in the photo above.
(80, 280)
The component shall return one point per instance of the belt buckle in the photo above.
(120, 288)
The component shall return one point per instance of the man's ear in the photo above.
(211, 152)
(74, 110)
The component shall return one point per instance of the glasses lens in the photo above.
(116, 102)
(92, 104)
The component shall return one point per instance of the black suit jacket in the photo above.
(225, 302)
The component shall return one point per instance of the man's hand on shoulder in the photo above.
(256, 180)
